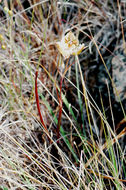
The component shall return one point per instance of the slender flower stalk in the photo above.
(60, 109)
(38, 106)
(69, 45)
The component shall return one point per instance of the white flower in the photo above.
(69, 45)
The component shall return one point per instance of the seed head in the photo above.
(10, 13)
(1, 37)
(3, 47)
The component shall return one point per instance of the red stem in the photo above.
(60, 109)
(37, 102)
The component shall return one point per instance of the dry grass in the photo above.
(91, 151)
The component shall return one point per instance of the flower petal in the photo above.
(69, 45)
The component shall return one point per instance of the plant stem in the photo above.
(38, 105)
(60, 108)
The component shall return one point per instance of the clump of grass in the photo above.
(89, 152)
